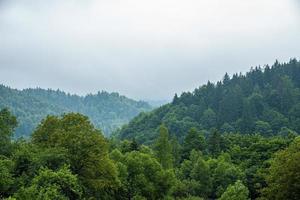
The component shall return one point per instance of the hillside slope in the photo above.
(264, 100)
(108, 111)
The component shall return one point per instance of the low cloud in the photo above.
(143, 49)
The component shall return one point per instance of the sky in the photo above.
(143, 49)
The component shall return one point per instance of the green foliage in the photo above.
(49, 185)
(224, 173)
(85, 147)
(294, 115)
(209, 118)
(142, 176)
(37, 168)
(195, 174)
(227, 128)
(263, 128)
(163, 148)
(251, 153)
(262, 100)
(128, 146)
(8, 123)
(201, 174)
(192, 198)
(6, 176)
(275, 119)
(108, 111)
(193, 141)
(237, 191)
(283, 179)
(163, 155)
(176, 151)
(215, 142)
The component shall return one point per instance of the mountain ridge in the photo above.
(264, 100)
(108, 111)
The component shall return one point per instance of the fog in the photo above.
(142, 49)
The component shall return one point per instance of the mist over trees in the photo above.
(108, 111)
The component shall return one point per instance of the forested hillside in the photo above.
(233, 140)
(67, 158)
(265, 100)
(107, 111)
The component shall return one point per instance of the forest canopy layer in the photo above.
(264, 100)
(68, 158)
(234, 140)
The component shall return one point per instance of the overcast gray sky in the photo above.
(140, 48)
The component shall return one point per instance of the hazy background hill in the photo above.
(264, 100)
(108, 111)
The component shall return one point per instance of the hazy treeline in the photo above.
(265, 100)
(108, 111)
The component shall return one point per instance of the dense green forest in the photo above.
(233, 140)
(67, 158)
(264, 100)
(108, 111)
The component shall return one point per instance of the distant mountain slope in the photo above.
(264, 100)
(107, 111)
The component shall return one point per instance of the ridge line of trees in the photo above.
(264, 100)
(108, 111)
